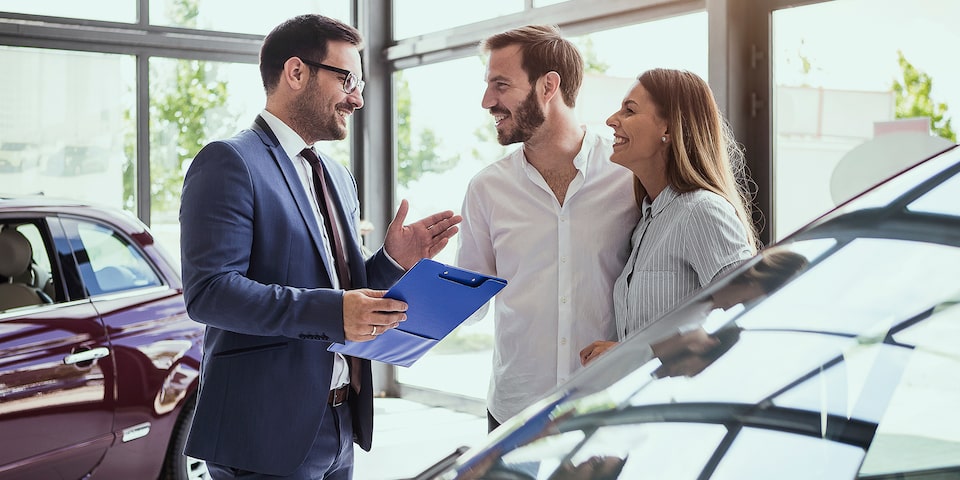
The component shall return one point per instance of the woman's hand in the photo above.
(594, 350)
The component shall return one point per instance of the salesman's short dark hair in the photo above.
(303, 36)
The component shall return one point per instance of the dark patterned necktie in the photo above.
(329, 211)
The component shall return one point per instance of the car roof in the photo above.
(42, 204)
(17, 202)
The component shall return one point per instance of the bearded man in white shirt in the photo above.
(553, 218)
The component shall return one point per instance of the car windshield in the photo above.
(836, 346)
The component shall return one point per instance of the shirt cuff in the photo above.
(394, 262)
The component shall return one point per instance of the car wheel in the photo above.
(176, 465)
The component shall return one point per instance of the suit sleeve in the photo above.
(223, 226)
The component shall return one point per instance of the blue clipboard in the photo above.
(439, 298)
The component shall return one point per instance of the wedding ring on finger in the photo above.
(374, 332)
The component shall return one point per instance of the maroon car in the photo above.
(99, 363)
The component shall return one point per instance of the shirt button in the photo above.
(563, 341)
(563, 299)
(563, 259)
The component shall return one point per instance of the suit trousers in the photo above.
(330, 458)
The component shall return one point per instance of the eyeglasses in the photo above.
(350, 81)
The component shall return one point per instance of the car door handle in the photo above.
(86, 355)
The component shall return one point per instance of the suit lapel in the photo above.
(295, 186)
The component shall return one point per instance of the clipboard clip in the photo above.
(469, 279)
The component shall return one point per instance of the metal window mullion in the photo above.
(51, 32)
(575, 17)
(143, 196)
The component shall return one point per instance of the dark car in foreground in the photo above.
(834, 354)
(99, 363)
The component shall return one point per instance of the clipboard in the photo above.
(439, 298)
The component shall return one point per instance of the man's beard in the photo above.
(318, 125)
(526, 120)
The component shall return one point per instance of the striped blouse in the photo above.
(681, 243)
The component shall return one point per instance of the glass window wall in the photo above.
(124, 11)
(191, 104)
(417, 17)
(846, 113)
(257, 18)
(64, 117)
(436, 158)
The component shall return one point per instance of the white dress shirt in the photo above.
(682, 242)
(560, 263)
(292, 144)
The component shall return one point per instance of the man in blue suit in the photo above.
(260, 259)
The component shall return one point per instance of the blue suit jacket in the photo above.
(254, 273)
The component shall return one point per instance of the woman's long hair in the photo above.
(702, 152)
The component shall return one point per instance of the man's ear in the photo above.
(551, 85)
(294, 73)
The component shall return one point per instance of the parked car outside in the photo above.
(836, 356)
(99, 362)
(79, 160)
(19, 156)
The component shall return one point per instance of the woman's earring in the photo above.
(663, 139)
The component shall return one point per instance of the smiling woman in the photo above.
(691, 188)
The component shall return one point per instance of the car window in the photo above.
(762, 450)
(833, 295)
(941, 200)
(645, 451)
(888, 192)
(27, 277)
(860, 342)
(108, 262)
(608, 452)
(919, 430)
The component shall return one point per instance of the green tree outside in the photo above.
(415, 157)
(591, 60)
(913, 99)
(182, 115)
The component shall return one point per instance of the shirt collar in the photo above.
(582, 161)
(290, 141)
(666, 196)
